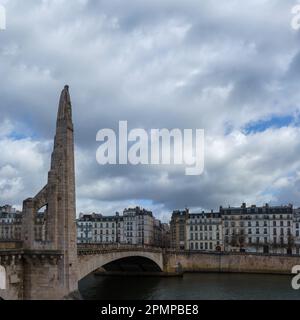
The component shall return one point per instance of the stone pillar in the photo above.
(28, 224)
(61, 236)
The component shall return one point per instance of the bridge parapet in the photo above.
(89, 249)
(9, 257)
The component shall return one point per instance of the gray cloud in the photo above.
(217, 66)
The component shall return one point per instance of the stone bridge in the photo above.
(16, 263)
(50, 269)
(93, 257)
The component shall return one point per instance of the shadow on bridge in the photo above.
(114, 276)
(132, 265)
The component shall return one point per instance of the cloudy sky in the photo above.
(230, 67)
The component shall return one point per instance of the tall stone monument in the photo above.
(51, 265)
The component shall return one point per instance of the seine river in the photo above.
(190, 287)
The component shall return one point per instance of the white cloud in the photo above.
(174, 64)
(23, 166)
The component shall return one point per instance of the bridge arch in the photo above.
(90, 263)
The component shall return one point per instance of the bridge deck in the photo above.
(88, 249)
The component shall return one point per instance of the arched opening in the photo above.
(2, 278)
(114, 279)
(40, 224)
(132, 264)
(43, 209)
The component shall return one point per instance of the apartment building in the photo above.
(162, 234)
(10, 224)
(296, 231)
(178, 229)
(266, 229)
(136, 226)
(204, 231)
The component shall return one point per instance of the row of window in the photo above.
(204, 220)
(103, 240)
(203, 246)
(257, 224)
(202, 228)
(205, 236)
(101, 232)
(99, 225)
(259, 240)
(258, 231)
(257, 217)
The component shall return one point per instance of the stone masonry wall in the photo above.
(14, 282)
(201, 262)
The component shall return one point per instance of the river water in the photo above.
(200, 286)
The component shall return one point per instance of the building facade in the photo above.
(136, 226)
(162, 234)
(204, 231)
(178, 229)
(296, 230)
(96, 228)
(84, 228)
(267, 230)
(10, 224)
(8, 209)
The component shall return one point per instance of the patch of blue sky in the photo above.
(144, 203)
(18, 136)
(272, 122)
